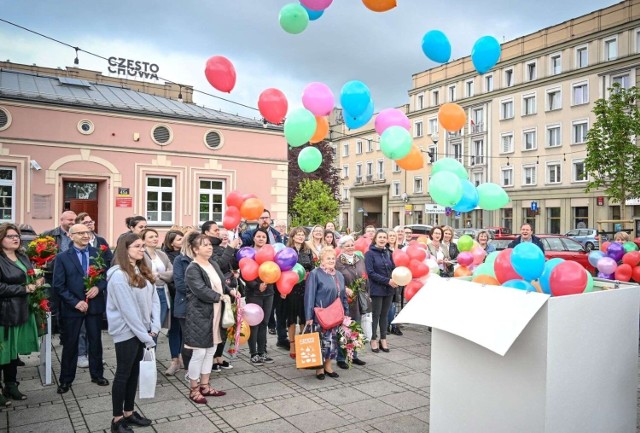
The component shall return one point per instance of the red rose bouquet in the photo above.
(42, 250)
(95, 272)
(38, 300)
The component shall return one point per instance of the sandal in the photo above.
(292, 355)
(196, 397)
(210, 392)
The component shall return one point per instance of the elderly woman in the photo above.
(352, 268)
(324, 286)
(483, 240)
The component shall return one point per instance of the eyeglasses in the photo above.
(12, 236)
(81, 233)
(88, 222)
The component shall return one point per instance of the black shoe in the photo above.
(137, 419)
(284, 344)
(120, 427)
(272, 331)
(358, 361)
(101, 381)
(343, 365)
(63, 388)
(385, 350)
(20, 362)
(396, 330)
(332, 374)
(320, 376)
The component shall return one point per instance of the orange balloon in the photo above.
(423, 240)
(413, 161)
(269, 272)
(322, 128)
(452, 117)
(486, 279)
(245, 332)
(379, 5)
(251, 208)
(462, 271)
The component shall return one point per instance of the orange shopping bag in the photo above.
(308, 353)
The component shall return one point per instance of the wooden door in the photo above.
(88, 206)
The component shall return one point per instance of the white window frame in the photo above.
(369, 145)
(527, 69)
(435, 153)
(418, 129)
(420, 101)
(12, 184)
(574, 86)
(488, 83)
(359, 170)
(345, 193)
(469, 88)
(534, 177)
(380, 169)
(395, 188)
(433, 126)
(345, 149)
(478, 178)
(418, 190)
(345, 171)
(621, 75)
(160, 190)
(220, 191)
(477, 152)
(508, 72)
(503, 170)
(547, 104)
(451, 93)
(435, 97)
(573, 130)
(503, 104)
(547, 136)
(547, 176)
(574, 173)
(369, 169)
(525, 111)
(525, 133)
(577, 54)
(502, 137)
(552, 58)
(606, 42)
(359, 147)
(637, 40)
(396, 167)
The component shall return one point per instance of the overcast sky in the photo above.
(348, 42)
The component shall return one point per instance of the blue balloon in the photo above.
(527, 260)
(485, 53)
(313, 15)
(361, 120)
(355, 97)
(470, 197)
(546, 274)
(436, 46)
(594, 256)
(520, 285)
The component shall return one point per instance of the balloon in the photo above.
(607, 265)
(235, 199)
(249, 270)
(624, 272)
(549, 266)
(278, 246)
(359, 254)
(251, 209)
(423, 240)
(637, 241)
(631, 258)
(400, 258)
(567, 278)
(412, 288)
(635, 275)
(452, 117)
(413, 160)
(465, 258)
(287, 280)
(418, 269)
(401, 275)
(273, 105)
(629, 246)
(416, 253)
(246, 252)
(253, 314)
(492, 196)
(485, 53)
(286, 259)
(594, 256)
(355, 122)
(220, 73)
(491, 258)
(445, 188)
(436, 46)
(299, 127)
(231, 218)
(379, 5)
(300, 271)
(528, 260)
(486, 279)
(452, 165)
(520, 285)
(318, 98)
(269, 272)
(462, 271)
(313, 15)
(245, 332)
(469, 199)
(391, 117)
(309, 159)
(363, 244)
(355, 97)
(604, 246)
(605, 276)
(395, 142)
(316, 5)
(265, 254)
(615, 251)
(465, 243)
(293, 18)
(503, 267)
(478, 254)
(433, 266)
(589, 287)
(248, 196)
(322, 129)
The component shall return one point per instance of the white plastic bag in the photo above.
(366, 320)
(148, 374)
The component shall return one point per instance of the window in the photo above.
(610, 48)
(478, 178)
(580, 215)
(417, 129)
(488, 83)
(530, 71)
(477, 120)
(623, 80)
(345, 149)
(452, 93)
(554, 99)
(529, 140)
(580, 128)
(381, 169)
(369, 168)
(457, 151)
(419, 102)
(553, 136)
(528, 105)
(369, 145)
(508, 77)
(417, 185)
(637, 41)
(345, 194)
(507, 143)
(396, 167)
(580, 94)
(434, 151)
(211, 200)
(7, 194)
(160, 196)
(359, 147)
(433, 126)
(555, 64)
(477, 155)
(506, 110)
(435, 98)
(507, 176)
(395, 189)
(553, 220)
(468, 88)
(345, 172)
(529, 175)
(579, 172)
(554, 174)
(359, 171)
(582, 57)
(507, 219)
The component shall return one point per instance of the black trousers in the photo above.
(186, 353)
(125, 382)
(71, 333)
(9, 371)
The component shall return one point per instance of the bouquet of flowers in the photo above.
(95, 272)
(238, 333)
(38, 301)
(42, 250)
(358, 285)
(351, 338)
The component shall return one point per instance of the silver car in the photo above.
(589, 238)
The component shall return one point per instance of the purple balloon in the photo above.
(286, 259)
(615, 251)
(246, 252)
(605, 276)
(607, 265)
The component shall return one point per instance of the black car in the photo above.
(27, 234)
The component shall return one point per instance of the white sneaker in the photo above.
(83, 362)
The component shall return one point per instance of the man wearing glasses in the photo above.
(408, 235)
(264, 222)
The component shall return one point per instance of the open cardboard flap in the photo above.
(491, 316)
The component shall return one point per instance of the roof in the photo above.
(25, 86)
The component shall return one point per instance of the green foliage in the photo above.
(613, 157)
(313, 204)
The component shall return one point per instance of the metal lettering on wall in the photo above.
(133, 68)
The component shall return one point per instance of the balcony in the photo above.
(369, 178)
(476, 160)
(477, 128)
(358, 179)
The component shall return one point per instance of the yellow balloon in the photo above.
(245, 332)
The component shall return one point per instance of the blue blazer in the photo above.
(68, 283)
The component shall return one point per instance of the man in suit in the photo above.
(78, 306)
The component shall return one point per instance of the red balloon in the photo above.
(266, 254)
(417, 253)
(567, 278)
(418, 269)
(400, 258)
(412, 288)
(632, 258)
(231, 218)
(604, 246)
(248, 269)
(287, 280)
(220, 73)
(637, 241)
(235, 199)
(635, 275)
(252, 208)
(273, 105)
(362, 244)
(503, 268)
(624, 272)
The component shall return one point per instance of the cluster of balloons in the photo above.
(272, 264)
(239, 205)
(471, 255)
(484, 55)
(617, 261)
(449, 186)
(414, 264)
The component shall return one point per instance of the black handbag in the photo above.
(364, 302)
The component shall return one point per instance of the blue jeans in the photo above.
(392, 313)
(175, 337)
(164, 308)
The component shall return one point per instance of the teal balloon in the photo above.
(395, 142)
(629, 246)
(492, 196)
(549, 266)
(527, 260)
(589, 287)
(355, 97)
(445, 188)
(485, 53)
(436, 46)
(293, 18)
(363, 119)
(520, 285)
(484, 269)
(309, 159)
(313, 15)
(470, 198)
(491, 259)
(359, 254)
(299, 127)
(452, 165)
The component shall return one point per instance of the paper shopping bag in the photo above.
(308, 353)
(148, 374)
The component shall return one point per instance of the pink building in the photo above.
(76, 140)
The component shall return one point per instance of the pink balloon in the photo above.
(253, 314)
(607, 265)
(465, 258)
(316, 5)
(318, 98)
(391, 117)
(479, 254)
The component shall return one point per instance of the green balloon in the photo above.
(629, 246)
(395, 142)
(589, 287)
(465, 243)
(359, 254)
(299, 269)
(484, 269)
(309, 159)
(492, 196)
(293, 18)
(299, 127)
(491, 258)
(445, 188)
(452, 165)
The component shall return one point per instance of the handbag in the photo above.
(228, 319)
(308, 350)
(364, 302)
(148, 374)
(331, 316)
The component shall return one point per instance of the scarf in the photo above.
(348, 259)
(328, 271)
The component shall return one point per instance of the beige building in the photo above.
(527, 120)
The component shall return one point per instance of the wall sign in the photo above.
(133, 68)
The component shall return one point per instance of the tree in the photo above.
(613, 157)
(313, 204)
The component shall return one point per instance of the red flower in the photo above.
(44, 305)
(103, 248)
(93, 272)
(31, 273)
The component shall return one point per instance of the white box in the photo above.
(503, 360)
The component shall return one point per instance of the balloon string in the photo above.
(239, 311)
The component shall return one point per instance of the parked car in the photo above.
(555, 246)
(497, 232)
(589, 238)
(419, 230)
(471, 232)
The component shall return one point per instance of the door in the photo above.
(88, 206)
